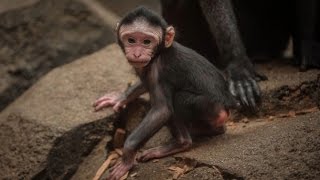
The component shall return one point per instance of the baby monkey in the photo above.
(187, 93)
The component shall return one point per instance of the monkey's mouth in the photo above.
(138, 63)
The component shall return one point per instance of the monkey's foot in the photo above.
(119, 170)
(162, 151)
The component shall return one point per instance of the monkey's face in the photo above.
(140, 41)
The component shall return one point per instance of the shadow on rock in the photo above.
(69, 150)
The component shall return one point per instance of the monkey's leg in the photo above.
(181, 141)
(204, 117)
(213, 123)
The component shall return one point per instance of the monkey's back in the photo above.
(186, 70)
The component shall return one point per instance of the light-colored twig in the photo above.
(105, 166)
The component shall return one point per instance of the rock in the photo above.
(288, 89)
(204, 173)
(47, 131)
(15, 12)
(39, 35)
(93, 162)
(280, 149)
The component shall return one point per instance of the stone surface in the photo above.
(15, 12)
(281, 73)
(40, 36)
(288, 89)
(281, 149)
(52, 124)
(9, 5)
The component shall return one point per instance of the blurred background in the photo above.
(39, 35)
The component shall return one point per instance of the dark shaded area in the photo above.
(264, 26)
(267, 26)
(192, 30)
(69, 149)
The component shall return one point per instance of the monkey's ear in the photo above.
(117, 27)
(169, 38)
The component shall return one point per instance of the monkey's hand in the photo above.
(242, 79)
(119, 170)
(116, 100)
(122, 167)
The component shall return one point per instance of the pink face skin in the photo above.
(140, 41)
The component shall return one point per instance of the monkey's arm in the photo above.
(158, 115)
(241, 74)
(134, 91)
(119, 100)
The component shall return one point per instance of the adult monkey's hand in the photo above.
(242, 79)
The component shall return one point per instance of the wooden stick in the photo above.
(105, 166)
(119, 138)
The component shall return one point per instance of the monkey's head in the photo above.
(142, 35)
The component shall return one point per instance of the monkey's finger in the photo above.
(250, 95)
(102, 102)
(242, 94)
(114, 167)
(260, 77)
(103, 98)
(256, 88)
(97, 102)
(232, 88)
(117, 172)
(103, 105)
(118, 106)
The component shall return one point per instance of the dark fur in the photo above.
(193, 30)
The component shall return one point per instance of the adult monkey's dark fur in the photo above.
(209, 27)
(266, 26)
(187, 93)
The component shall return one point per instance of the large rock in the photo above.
(47, 130)
(282, 149)
(279, 149)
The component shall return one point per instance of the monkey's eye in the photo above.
(146, 42)
(131, 40)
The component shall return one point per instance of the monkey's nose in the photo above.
(136, 55)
